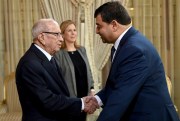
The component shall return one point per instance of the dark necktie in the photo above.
(112, 52)
(53, 61)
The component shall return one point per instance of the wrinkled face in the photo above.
(104, 30)
(52, 39)
(70, 34)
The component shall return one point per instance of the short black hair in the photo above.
(113, 10)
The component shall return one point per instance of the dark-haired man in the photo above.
(136, 88)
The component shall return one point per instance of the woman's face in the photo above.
(70, 34)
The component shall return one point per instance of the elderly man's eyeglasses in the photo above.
(57, 34)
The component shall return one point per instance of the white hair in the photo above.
(42, 25)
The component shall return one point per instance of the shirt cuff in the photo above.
(99, 100)
(82, 107)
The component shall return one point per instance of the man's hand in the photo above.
(90, 104)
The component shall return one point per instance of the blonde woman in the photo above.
(73, 61)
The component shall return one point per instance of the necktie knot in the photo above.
(112, 52)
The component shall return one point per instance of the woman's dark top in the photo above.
(80, 73)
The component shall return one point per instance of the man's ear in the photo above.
(115, 25)
(41, 39)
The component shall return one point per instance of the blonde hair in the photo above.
(63, 27)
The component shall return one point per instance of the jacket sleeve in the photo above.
(35, 79)
(127, 76)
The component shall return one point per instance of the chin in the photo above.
(104, 41)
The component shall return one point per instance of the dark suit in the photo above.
(136, 88)
(42, 91)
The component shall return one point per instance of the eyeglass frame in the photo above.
(57, 34)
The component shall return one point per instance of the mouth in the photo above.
(101, 37)
(73, 37)
(60, 45)
(103, 40)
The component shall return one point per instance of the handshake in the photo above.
(90, 104)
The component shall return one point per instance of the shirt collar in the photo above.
(116, 44)
(43, 51)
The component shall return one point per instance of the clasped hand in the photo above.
(90, 104)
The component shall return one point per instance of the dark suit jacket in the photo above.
(42, 90)
(136, 88)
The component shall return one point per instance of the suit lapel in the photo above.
(56, 75)
(124, 39)
(122, 43)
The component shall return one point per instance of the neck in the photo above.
(70, 47)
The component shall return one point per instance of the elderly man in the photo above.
(43, 93)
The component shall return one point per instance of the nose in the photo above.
(60, 38)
